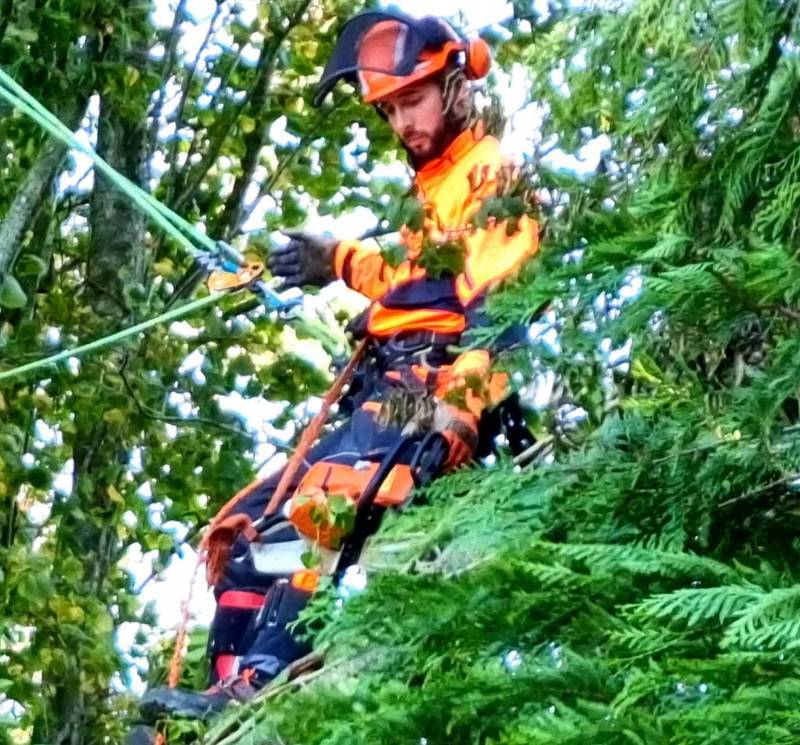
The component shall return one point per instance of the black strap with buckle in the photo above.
(414, 348)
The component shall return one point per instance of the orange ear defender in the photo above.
(478, 60)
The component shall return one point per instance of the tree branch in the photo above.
(234, 207)
(266, 189)
(759, 491)
(5, 17)
(146, 411)
(26, 205)
(187, 84)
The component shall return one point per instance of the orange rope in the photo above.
(176, 663)
(312, 432)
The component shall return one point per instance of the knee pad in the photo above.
(274, 646)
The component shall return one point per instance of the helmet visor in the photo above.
(378, 42)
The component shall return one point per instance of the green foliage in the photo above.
(442, 259)
(641, 588)
(408, 212)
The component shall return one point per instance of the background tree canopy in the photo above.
(641, 587)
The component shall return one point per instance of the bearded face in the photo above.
(418, 117)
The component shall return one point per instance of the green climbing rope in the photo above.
(186, 234)
(107, 341)
(173, 224)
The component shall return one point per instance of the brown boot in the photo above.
(183, 704)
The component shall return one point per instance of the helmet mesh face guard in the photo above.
(385, 51)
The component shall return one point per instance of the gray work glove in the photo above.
(305, 260)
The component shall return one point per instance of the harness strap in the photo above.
(241, 599)
(416, 347)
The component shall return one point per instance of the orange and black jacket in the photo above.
(404, 298)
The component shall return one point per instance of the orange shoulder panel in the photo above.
(384, 322)
(493, 255)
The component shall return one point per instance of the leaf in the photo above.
(115, 417)
(31, 265)
(339, 503)
(394, 254)
(442, 259)
(103, 623)
(27, 35)
(11, 294)
(132, 76)
(164, 268)
(114, 495)
(311, 558)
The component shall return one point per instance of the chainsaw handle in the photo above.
(429, 454)
(429, 458)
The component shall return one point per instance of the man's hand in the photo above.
(460, 429)
(305, 260)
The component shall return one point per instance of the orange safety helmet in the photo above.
(385, 51)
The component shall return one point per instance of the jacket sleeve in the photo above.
(363, 269)
(492, 256)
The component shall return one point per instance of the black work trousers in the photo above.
(254, 607)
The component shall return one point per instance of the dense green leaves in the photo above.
(640, 588)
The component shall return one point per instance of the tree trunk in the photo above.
(117, 252)
(116, 269)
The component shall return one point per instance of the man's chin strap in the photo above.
(451, 88)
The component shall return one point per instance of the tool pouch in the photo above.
(324, 505)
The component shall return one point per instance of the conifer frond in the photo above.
(763, 622)
(556, 576)
(778, 213)
(639, 560)
(668, 248)
(743, 22)
(751, 151)
(693, 606)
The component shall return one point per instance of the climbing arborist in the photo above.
(417, 73)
